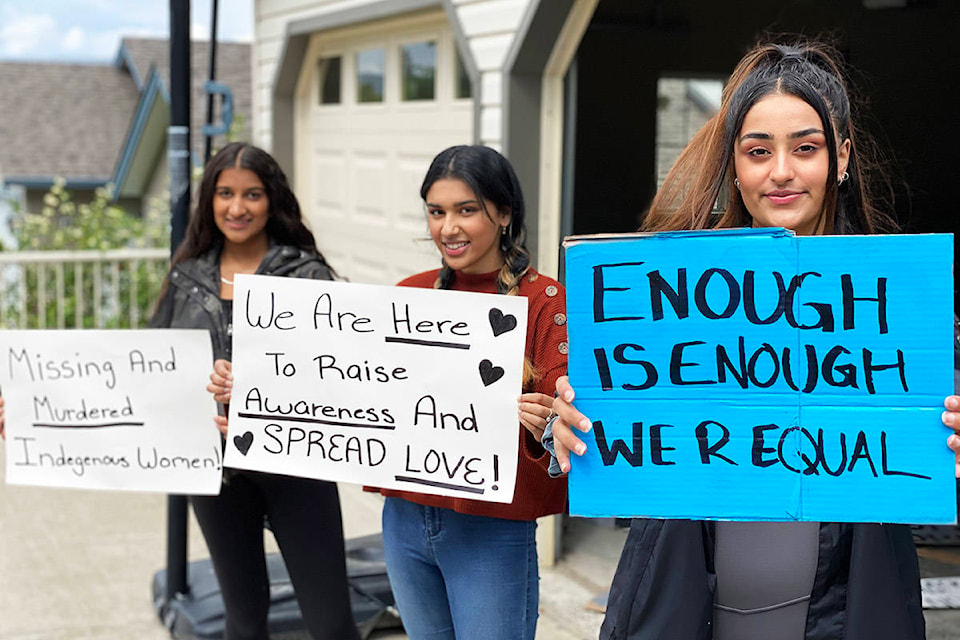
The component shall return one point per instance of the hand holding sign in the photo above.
(951, 418)
(568, 418)
(534, 410)
(221, 381)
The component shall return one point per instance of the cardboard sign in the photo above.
(125, 410)
(755, 375)
(393, 387)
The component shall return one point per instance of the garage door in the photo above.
(375, 103)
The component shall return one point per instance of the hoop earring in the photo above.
(843, 178)
(736, 183)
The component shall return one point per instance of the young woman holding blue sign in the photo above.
(462, 568)
(248, 221)
(782, 151)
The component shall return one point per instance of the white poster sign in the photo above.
(123, 409)
(393, 387)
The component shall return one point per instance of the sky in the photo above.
(90, 30)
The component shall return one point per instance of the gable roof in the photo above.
(141, 55)
(62, 120)
(94, 124)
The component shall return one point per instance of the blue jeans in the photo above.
(457, 576)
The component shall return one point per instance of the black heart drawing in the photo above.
(489, 373)
(501, 323)
(243, 442)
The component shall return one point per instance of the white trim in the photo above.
(551, 132)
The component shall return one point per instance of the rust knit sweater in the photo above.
(537, 494)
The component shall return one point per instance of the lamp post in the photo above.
(178, 165)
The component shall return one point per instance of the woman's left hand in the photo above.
(951, 418)
(534, 410)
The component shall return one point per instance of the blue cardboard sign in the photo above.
(756, 375)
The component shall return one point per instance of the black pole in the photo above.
(211, 75)
(178, 165)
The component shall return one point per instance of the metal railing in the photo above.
(80, 289)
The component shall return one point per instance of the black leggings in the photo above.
(304, 516)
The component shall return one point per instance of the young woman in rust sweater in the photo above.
(462, 568)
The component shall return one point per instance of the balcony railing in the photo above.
(80, 289)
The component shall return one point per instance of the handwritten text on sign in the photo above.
(123, 410)
(394, 387)
(754, 375)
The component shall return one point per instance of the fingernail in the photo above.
(584, 425)
(946, 418)
(565, 467)
(580, 449)
(568, 396)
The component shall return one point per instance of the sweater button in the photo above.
(560, 319)
(550, 291)
(562, 348)
(533, 277)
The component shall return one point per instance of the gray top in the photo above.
(765, 573)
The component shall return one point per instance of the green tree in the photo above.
(100, 225)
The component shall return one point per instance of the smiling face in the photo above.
(782, 163)
(467, 236)
(241, 207)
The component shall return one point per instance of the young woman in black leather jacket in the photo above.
(248, 221)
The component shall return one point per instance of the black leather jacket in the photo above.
(192, 299)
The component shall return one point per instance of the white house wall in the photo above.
(489, 27)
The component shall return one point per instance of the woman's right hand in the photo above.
(568, 418)
(2, 419)
(221, 384)
(221, 381)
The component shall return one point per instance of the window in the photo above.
(371, 65)
(328, 71)
(418, 71)
(462, 81)
(683, 106)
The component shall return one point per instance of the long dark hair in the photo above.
(285, 223)
(811, 71)
(491, 178)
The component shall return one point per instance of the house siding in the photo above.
(489, 26)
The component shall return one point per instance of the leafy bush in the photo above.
(90, 299)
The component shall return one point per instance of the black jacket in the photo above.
(867, 584)
(192, 298)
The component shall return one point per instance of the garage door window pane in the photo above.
(419, 62)
(464, 90)
(371, 65)
(329, 72)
